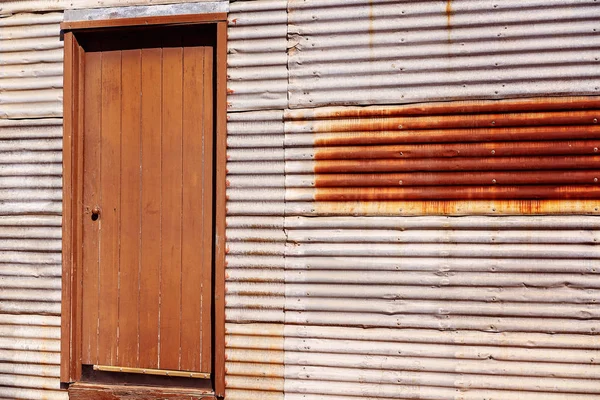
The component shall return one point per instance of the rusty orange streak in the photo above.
(456, 135)
(449, 108)
(488, 178)
(580, 118)
(524, 150)
(486, 149)
(459, 193)
(458, 164)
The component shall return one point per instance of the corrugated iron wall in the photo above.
(30, 205)
(352, 305)
(392, 51)
(519, 156)
(30, 66)
(257, 87)
(257, 59)
(442, 307)
(434, 306)
(20, 6)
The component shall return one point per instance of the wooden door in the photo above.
(147, 202)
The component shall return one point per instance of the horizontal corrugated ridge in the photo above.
(254, 340)
(363, 52)
(257, 59)
(476, 304)
(31, 54)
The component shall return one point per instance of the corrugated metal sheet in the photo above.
(21, 6)
(30, 262)
(492, 157)
(257, 80)
(257, 55)
(30, 205)
(441, 307)
(92, 14)
(389, 51)
(31, 55)
(341, 307)
(255, 257)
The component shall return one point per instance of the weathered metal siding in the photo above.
(31, 56)
(442, 307)
(347, 307)
(433, 306)
(257, 59)
(512, 156)
(388, 51)
(30, 267)
(255, 262)
(257, 88)
(20, 6)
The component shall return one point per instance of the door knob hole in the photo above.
(95, 216)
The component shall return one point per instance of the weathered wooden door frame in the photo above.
(71, 343)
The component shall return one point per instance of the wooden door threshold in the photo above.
(91, 391)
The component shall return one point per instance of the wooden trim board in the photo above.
(142, 21)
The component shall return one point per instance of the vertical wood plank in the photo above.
(67, 217)
(78, 179)
(207, 201)
(130, 210)
(91, 198)
(220, 208)
(110, 208)
(193, 211)
(170, 287)
(150, 199)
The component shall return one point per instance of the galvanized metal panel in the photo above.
(30, 66)
(21, 6)
(257, 80)
(257, 55)
(30, 206)
(505, 309)
(146, 11)
(255, 255)
(389, 51)
(486, 157)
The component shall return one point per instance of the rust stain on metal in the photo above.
(580, 118)
(467, 164)
(531, 155)
(456, 135)
(497, 149)
(449, 108)
(459, 193)
(556, 177)
(458, 207)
